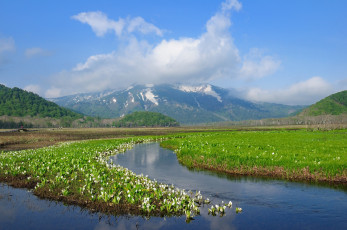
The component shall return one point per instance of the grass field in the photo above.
(296, 155)
(37, 138)
(78, 172)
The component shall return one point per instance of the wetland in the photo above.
(152, 186)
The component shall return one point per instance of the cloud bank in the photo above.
(210, 56)
(255, 65)
(301, 93)
(33, 88)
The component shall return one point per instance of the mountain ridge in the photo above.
(185, 103)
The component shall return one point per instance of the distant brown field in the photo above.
(37, 138)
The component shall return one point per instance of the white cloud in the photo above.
(36, 51)
(139, 24)
(209, 56)
(53, 92)
(302, 93)
(212, 55)
(33, 88)
(101, 24)
(231, 4)
(256, 65)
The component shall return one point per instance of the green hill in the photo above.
(334, 104)
(20, 103)
(147, 119)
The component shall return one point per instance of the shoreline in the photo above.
(277, 173)
(84, 178)
(125, 208)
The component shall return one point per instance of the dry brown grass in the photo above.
(46, 137)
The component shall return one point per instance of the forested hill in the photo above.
(147, 119)
(334, 104)
(19, 103)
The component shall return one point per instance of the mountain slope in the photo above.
(186, 104)
(20, 103)
(334, 104)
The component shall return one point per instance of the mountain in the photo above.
(19, 103)
(334, 104)
(187, 104)
(147, 119)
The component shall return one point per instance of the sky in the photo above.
(290, 52)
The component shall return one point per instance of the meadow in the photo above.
(80, 172)
(295, 155)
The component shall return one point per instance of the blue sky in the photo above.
(291, 52)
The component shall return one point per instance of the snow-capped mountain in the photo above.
(185, 103)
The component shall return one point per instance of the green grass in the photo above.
(79, 172)
(291, 154)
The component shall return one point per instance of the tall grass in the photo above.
(291, 153)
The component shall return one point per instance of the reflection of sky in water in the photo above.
(267, 204)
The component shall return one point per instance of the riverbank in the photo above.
(79, 173)
(300, 155)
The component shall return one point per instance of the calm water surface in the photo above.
(266, 204)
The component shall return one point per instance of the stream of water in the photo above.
(266, 204)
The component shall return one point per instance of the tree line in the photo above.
(146, 119)
(19, 103)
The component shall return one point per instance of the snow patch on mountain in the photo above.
(142, 97)
(204, 89)
(151, 97)
(132, 97)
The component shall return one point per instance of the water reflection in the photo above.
(266, 203)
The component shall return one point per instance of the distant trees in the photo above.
(14, 125)
(146, 119)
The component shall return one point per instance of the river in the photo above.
(266, 204)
